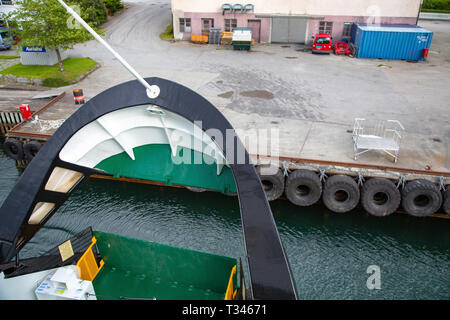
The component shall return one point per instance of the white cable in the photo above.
(152, 90)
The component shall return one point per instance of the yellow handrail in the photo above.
(87, 265)
(231, 293)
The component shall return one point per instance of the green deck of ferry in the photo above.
(138, 269)
(155, 162)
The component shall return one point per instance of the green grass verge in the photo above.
(435, 10)
(52, 77)
(168, 34)
(8, 57)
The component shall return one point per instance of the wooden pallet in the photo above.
(226, 38)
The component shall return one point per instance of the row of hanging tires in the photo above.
(341, 193)
(18, 150)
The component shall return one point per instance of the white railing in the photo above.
(384, 135)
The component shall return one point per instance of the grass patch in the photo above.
(168, 34)
(52, 77)
(8, 57)
(55, 82)
(435, 10)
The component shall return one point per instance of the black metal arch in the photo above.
(269, 268)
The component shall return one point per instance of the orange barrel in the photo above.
(78, 96)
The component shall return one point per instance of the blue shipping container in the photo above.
(401, 42)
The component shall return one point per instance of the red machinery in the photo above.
(342, 48)
(25, 111)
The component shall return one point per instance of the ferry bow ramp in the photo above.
(90, 140)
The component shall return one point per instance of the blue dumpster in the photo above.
(400, 42)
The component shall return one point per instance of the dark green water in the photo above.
(329, 253)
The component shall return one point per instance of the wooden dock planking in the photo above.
(50, 117)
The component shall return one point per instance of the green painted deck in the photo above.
(139, 269)
(182, 169)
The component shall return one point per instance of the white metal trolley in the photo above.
(384, 135)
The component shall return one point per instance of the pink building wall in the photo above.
(338, 24)
(219, 22)
(313, 24)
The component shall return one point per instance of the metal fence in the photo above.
(384, 135)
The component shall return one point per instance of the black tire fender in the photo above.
(30, 149)
(303, 187)
(13, 148)
(446, 202)
(380, 197)
(421, 198)
(273, 184)
(341, 193)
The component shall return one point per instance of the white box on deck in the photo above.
(64, 284)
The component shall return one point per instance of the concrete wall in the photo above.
(386, 8)
(336, 11)
(48, 58)
(382, 8)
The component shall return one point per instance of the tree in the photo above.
(45, 23)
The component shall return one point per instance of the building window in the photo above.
(325, 27)
(185, 25)
(6, 2)
(347, 29)
(207, 23)
(230, 24)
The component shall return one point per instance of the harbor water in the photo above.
(332, 256)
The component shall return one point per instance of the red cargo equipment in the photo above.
(25, 111)
(425, 53)
(341, 48)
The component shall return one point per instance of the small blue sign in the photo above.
(33, 49)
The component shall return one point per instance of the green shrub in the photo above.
(436, 4)
(93, 12)
(113, 5)
(435, 11)
(168, 34)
